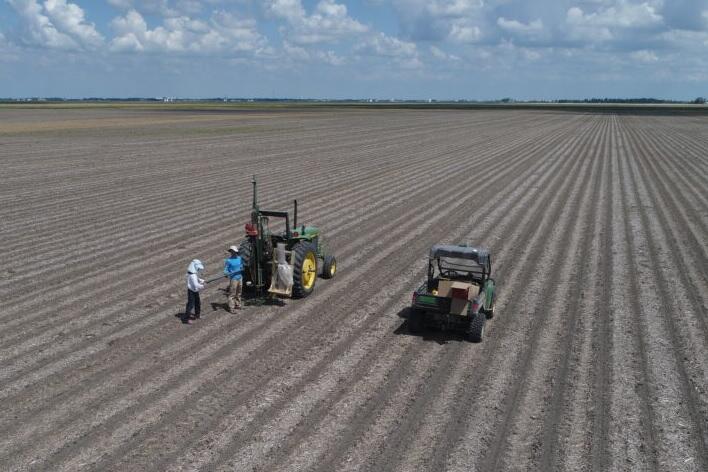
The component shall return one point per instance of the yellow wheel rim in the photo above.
(332, 268)
(309, 271)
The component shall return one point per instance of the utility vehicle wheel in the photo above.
(490, 313)
(475, 332)
(329, 267)
(304, 259)
(415, 321)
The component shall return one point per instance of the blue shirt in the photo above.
(233, 267)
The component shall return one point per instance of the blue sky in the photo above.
(441, 49)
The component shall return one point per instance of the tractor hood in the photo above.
(309, 232)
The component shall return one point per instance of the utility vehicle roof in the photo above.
(461, 252)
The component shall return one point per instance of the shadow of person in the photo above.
(215, 306)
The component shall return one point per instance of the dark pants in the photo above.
(193, 303)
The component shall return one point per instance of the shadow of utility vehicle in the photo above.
(459, 293)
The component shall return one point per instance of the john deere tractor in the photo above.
(304, 251)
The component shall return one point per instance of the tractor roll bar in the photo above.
(279, 214)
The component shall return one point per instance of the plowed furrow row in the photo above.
(544, 315)
(535, 219)
(147, 221)
(670, 369)
(684, 195)
(248, 434)
(601, 341)
(179, 180)
(113, 289)
(521, 262)
(693, 274)
(638, 431)
(681, 157)
(358, 194)
(95, 182)
(565, 349)
(353, 432)
(595, 360)
(458, 203)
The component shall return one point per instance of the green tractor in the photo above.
(300, 248)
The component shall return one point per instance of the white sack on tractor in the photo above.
(282, 282)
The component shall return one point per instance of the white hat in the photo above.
(233, 249)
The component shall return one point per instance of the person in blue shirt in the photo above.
(233, 269)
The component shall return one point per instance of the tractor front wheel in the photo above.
(304, 262)
(329, 267)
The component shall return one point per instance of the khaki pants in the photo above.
(233, 294)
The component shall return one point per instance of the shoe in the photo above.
(187, 321)
(197, 317)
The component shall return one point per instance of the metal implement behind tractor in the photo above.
(301, 249)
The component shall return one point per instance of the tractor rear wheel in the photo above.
(304, 262)
(329, 267)
(245, 250)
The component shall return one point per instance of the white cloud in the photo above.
(684, 39)
(463, 32)
(645, 56)
(453, 8)
(605, 23)
(56, 24)
(460, 21)
(8, 51)
(69, 17)
(158, 7)
(224, 33)
(383, 45)
(330, 21)
(330, 57)
(517, 27)
(299, 54)
(402, 53)
(442, 55)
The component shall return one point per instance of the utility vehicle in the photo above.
(458, 294)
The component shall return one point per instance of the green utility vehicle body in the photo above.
(458, 294)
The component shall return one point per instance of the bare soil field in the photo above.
(597, 358)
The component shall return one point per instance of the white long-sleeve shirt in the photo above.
(193, 282)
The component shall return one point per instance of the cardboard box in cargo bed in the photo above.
(460, 292)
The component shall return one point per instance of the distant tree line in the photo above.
(699, 100)
(505, 100)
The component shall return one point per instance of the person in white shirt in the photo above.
(194, 286)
